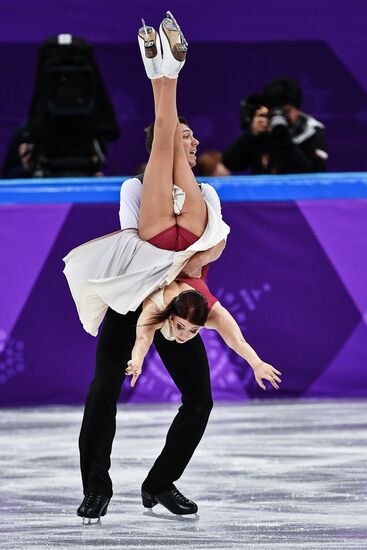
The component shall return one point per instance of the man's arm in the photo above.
(130, 198)
(212, 254)
(315, 149)
(197, 262)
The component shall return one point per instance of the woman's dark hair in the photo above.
(190, 305)
(149, 133)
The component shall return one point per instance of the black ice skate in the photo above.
(171, 499)
(93, 506)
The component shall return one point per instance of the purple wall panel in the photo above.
(342, 371)
(29, 248)
(338, 229)
(232, 53)
(277, 276)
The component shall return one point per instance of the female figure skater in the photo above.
(182, 308)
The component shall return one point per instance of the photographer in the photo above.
(18, 157)
(278, 138)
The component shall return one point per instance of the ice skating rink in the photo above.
(265, 476)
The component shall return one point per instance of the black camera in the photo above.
(255, 105)
(71, 117)
(277, 118)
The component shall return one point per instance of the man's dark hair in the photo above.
(282, 91)
(149, 133)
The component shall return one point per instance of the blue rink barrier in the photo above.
(293, 274)
(234, 188)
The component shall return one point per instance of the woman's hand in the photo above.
(134, 369)
(264, 370)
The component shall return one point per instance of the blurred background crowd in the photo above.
(257, 107)
(71, 119)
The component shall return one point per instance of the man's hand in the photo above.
(133, 369)
(264, 370)
(197, 261)
(193, 267)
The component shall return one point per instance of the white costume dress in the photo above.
(120, 270)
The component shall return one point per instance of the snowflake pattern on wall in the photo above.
(229, 369)
(229, 372)
(11, 357)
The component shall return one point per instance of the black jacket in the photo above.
(285, 150)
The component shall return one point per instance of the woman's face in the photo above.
(183, 330)
(190, 144)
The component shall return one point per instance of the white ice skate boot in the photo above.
(150, 49)
(174, 46)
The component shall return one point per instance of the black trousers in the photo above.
(188, 366)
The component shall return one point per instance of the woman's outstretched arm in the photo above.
(144, 337)
(222, 321)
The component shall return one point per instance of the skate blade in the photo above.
(92, 521)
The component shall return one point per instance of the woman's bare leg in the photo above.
(194, 212)
(157, 88)
(156, 210)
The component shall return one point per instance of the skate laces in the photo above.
(179, 496)
(92, 498)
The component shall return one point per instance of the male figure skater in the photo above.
(186, 363)
(188, 366)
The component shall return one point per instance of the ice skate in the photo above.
(150, 49)
(174, 46)
(171, 499)
(94, 506)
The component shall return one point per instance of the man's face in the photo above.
(292, 113)
(190, 144)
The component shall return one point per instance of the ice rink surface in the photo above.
(275, 475)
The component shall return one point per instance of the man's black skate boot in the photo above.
(171, 499)
(93, 506)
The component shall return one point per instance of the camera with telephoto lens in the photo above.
(277, 118)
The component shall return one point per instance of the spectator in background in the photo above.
(278, 137)
(210, 164)
(18, 162)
